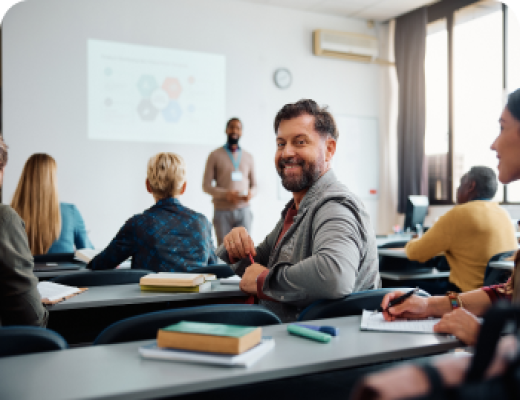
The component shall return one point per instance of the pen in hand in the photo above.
(397, 301)
(251, 259)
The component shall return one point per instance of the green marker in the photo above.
(308, 333)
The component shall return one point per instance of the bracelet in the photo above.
(455, 301)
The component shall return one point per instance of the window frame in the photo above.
(446, 10)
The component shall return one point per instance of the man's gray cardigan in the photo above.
(329, 251)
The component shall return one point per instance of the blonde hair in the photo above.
(36, 201)
(166, 174)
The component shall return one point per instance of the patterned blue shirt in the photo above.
(167, 237)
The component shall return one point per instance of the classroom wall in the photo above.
(44, 45)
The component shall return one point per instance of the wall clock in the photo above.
(282, 78)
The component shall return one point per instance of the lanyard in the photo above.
(236, 162)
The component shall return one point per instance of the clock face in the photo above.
(282, 78)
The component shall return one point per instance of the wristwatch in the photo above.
(454, 300)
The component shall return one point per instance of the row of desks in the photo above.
(117, 371)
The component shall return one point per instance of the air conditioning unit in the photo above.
(348, 46)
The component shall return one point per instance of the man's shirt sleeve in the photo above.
(120, 248)
(210, 176)
(436, 240)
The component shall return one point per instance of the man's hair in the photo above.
(485, 179)
(166, 174)
(324, 122)
(3, 153)
(233, 119)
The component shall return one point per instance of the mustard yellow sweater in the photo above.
(469, 235)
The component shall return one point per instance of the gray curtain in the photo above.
(410, 51)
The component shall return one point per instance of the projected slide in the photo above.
(151, 94)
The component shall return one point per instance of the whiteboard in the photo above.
(356, 162)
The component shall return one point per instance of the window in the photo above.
(477, 89)
(437, 128)
(464, 68)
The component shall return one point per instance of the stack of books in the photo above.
(210, 343)
(176, 282)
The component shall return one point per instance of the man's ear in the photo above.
(330, 149)
(472, 186)
(148, 187)
(183, 188)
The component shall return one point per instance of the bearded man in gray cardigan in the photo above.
(323, 247)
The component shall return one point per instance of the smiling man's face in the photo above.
(301, 155)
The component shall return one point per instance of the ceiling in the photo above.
(377, 10)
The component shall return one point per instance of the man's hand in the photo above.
(248, 282)
(232, 196)
(239, 244)
(460, 323)
(246, 197)
(414, 307)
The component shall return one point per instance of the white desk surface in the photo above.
(117, 371)
(509, 265)
(101, 296)
(399, 253)
(393, 239)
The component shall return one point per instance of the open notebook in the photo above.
(376, 322)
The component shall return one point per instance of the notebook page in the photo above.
(376, 322)
(54, 291)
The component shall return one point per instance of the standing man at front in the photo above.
(323, 246)
(232, 169)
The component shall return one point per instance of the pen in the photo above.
(251, 258)
(399, 300)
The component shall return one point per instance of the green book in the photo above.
(208, 337)
(202, 328)
(203, 287)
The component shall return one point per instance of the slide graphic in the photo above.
(149, 94)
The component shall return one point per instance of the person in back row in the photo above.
(20, 302)
(52, 227)
(323, 247)
(167, 237)
(469, 234)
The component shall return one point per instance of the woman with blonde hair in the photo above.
(168, 237)
(52, 227)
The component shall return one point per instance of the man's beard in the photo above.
(310, 173)
(232, 141)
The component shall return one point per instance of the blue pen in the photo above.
(332, 331)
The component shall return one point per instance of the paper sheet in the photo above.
(54, 291)
(232, 280)
(376, 322)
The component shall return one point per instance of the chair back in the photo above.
(146, 326)
(494, 276)
(220, 270)
(353, 304)
(54, 257)
(101, 278)
(18, 340)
